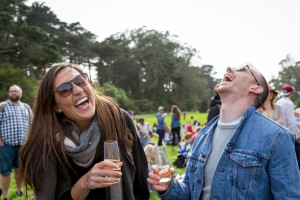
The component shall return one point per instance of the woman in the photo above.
(175, 123)
(144, 130)
(184, 150)
(63, 155)
(270, 109)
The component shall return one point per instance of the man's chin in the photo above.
(15, 99)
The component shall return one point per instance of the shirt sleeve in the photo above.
(290, 120)
(140, 184)
(283, 170)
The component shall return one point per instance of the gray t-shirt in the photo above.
(221, 137)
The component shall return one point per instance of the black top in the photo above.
(140, 185)
(214, 109)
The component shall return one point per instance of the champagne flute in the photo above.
(163, 164)
(111, 154)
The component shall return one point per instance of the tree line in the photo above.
(142, 68)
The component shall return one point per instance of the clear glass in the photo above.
(111, 153)
(163, 164)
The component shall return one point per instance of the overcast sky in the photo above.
(225, 32)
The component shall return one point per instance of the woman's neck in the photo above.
(267, 106)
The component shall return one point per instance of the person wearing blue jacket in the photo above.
(161, 124)
(241, 154)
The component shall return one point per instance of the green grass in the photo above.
(201, 117)
(13, 188)
(172, 153)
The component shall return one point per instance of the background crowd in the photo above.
(17, 117)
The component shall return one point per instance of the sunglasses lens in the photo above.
(239, 68)
(64, 89)
(81, 80)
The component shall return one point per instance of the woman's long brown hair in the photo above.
(176, 111)
(46, 133)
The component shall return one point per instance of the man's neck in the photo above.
(232, 110)
(14, 102)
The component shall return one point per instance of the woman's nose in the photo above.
(76, 89)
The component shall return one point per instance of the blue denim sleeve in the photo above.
(177, 190)
(283, 169)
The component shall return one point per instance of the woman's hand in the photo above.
(100, 176)
(103, 174)
(154, 180)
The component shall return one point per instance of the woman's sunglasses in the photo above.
(66, 88)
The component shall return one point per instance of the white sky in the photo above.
(225, 32)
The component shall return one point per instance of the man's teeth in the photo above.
(81, 101)
(226, 77)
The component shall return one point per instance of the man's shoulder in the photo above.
(266, 125)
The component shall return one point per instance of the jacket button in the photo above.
(198, 181)
(203, 156)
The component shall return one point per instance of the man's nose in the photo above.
(229, 69)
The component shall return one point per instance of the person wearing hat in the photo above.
(161, 125)
(270, 109)
(289, 116)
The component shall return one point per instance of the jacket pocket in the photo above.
(244, 170)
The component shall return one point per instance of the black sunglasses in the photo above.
(66, 88)
(246, 66)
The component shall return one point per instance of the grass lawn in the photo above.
(13, 188)
(172, 154)
(201, 117)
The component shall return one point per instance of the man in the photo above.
(289, 116)
(240, 154)
(161, 125)
(14, 125)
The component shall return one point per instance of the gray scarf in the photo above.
(81, 146)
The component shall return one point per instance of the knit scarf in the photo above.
(81, 146)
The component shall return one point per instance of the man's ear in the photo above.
(57, 109)
(257, 89)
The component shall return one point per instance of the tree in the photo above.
(289, 74)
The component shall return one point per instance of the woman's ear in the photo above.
(57, 109)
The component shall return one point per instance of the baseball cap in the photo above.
(160, 108)
(287, 90)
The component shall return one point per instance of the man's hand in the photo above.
(1, 143)
(154, 180)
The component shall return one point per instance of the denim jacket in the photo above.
(258, 163)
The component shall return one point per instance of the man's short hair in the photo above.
(260, 99)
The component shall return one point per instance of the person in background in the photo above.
(297, 117)
(167, 137)
(270, 109)
(189, 129)
(161, 125)
(154, 128)
(240, 154)
(184, 150)
(289, 116)
(175, 124)
(63, 156)
(144, 130)
(215, 105)
(185, 146)
(15, 122)
(149, 152)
